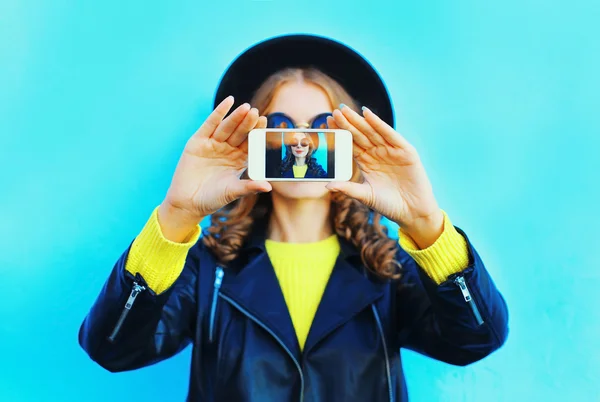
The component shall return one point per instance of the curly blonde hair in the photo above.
(231, 226)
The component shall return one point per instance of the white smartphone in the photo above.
(299, 154)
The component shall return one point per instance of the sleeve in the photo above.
(159, 260)
(460, 320)
(315, 170)
(321, 172)
(448, 255)
(130, 325)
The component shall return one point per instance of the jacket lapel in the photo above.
(348, 292)
(256, 289)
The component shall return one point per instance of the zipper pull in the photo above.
(462, 284)
(219, 274)
(219, 277)
(460, 281)
(135, 291)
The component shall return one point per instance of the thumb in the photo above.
(358, 191)
(242, 188)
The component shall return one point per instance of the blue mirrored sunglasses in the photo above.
(282, 120)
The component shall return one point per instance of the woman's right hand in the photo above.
(207, 176)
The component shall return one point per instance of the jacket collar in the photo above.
(256, 243)
(253, 284)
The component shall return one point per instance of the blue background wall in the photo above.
(501, 99)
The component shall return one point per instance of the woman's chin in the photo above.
(300, 190)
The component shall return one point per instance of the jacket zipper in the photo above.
(213, 308)
(289, 352)
(135, 291)
(387, 359)
(462, 284)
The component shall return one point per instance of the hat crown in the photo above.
(345, 65)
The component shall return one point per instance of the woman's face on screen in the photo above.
(300, 145)
(302, 102)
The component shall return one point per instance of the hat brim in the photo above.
(342, 63)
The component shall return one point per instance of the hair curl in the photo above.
(231, 226)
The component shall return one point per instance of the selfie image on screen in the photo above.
(300, 155)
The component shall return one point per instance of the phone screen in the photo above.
(300, 155)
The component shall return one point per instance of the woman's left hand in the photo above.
(395, 182)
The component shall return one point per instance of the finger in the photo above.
(215, 118)
(361, 124)
(227, 126)
(385, 130)
(262, 123)
(241, 188)
(331, 124)
(241, 131)
(356, 149)
(244, 146)
(358, 191)
(359, 138)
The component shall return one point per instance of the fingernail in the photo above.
(364, 108)
(342, 105)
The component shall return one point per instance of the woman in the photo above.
(295, 292)
(299, 161)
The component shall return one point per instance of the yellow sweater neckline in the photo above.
(325, 244)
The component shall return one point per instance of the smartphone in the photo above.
(299, 154)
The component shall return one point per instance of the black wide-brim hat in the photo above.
(342, 63)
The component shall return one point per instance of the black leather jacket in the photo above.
(244, 344)
(314, 172)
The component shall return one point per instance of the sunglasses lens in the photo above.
(320, 121)
(303, 143)
(279, 120)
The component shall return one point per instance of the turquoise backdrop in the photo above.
(501, 99)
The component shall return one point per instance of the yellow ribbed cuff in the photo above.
(448, 255)
(159, 260)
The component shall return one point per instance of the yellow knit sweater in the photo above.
(160, 261)
(299, 171)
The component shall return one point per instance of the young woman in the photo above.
(299, 161)
(295, 292)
